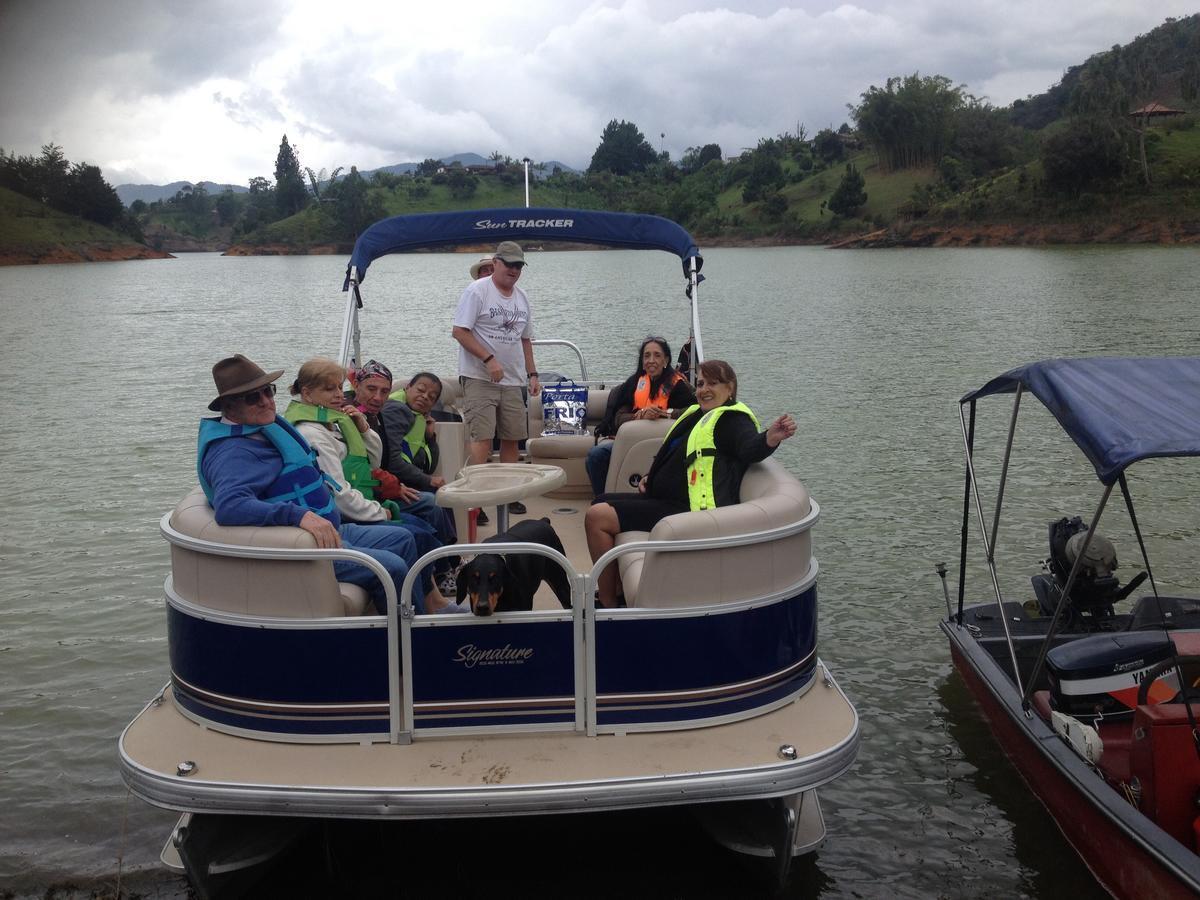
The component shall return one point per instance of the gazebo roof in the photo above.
(1157, 109)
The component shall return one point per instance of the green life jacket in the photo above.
(702, 452)
(356, 467)
(413, 445)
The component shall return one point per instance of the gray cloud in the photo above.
(544, 85)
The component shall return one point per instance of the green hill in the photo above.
(31, 232)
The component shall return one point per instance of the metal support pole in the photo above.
(1062, 598)
(698, 341)
(1012, 427)
(991, 563)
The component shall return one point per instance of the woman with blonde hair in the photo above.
(347, 450)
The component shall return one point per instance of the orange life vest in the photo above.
(641, 394)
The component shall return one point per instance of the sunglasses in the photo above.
(517, 265)
(251, 398)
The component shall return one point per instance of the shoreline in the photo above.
(54, 254)
(903, 235)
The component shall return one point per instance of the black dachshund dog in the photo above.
(506, 583)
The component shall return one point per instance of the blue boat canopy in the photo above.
(522, 224)
(1117, 409)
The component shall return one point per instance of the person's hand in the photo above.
(650, 412)
(322, 530)
(495, 370)
(430, 430)
(643, 485)
(357, 417)
(387, 514)
(780, 430)
(535, 386)
(408, 494)
(436, 482)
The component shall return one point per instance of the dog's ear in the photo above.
(460, 585)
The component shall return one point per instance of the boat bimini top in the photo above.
(1117, 409)
(489, 226)
(422, 231)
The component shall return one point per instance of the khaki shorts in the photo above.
(484, 402)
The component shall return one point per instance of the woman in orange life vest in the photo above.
(652, 392)
(699, 466)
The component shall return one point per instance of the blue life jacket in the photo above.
(300, 481)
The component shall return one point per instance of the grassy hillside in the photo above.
(27, 223)
(1019, 195)
(31, 232)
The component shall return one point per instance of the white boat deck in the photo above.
(502, 773)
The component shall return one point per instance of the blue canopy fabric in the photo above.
(490, 226)
(1117, 409)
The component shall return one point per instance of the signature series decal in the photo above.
(471, 656)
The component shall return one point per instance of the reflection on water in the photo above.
(107, 367)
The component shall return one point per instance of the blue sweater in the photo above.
(241, 470)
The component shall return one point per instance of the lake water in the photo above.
(106, 371)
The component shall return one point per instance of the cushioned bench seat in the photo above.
(257, 587)
(567, 451)
(770, 498)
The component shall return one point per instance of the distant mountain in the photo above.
(468, 159)
(151, 192)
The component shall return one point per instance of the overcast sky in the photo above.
(166, 90)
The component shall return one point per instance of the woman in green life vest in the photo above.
(347, 451)
(699, 466)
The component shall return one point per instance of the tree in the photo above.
(227, 207)
(1087, 151)
(316, 179)
(766, 172)
(428, 167)
(355, 206)
(85, 193)
(828, 146)
(290, 194)
(850, 194)
(696, 158)
(909, 121)
(623, 150)
(462, 184)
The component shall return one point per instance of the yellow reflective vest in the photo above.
(702, 451)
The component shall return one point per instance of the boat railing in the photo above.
(574, 699)
(558, 342)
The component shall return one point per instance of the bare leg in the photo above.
(602, 527)
(435, 600)
(509, 451)
(479, 451)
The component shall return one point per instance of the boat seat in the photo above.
(567, 451)
(770, 498)
(633, 451)
(256, 587)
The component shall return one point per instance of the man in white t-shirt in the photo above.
(494, 328)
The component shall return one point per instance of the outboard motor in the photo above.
(1096, 588)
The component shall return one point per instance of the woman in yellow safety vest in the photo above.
(699, 466)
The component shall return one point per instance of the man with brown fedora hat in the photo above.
(256, 469)
(493, 325)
